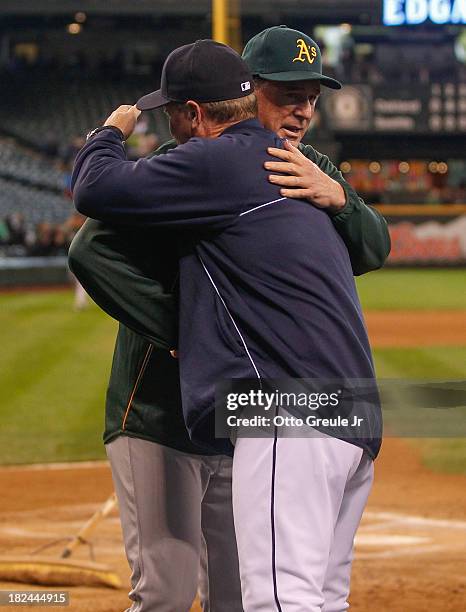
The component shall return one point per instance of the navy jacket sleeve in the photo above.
(129, 274)
(169, 190)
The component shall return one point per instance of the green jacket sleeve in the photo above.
(130, 276)
(362, 228)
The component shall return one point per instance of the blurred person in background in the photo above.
(60, 241)
(16, 228)
(70, 228)
(43, 243)
(105, 258)
(4, 233)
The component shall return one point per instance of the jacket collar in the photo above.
(247, 125)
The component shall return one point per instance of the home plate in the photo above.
(371, 539)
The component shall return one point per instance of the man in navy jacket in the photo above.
(266, 291)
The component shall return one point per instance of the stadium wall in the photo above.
(426, 235)
(27, 271)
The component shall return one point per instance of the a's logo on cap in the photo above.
(305, 52)
(246, 86)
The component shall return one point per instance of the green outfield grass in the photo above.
(444, 363)
(54, 367)
(424, 362)
(413, 289)
(423, 289)
(447, 363)
(443, 455)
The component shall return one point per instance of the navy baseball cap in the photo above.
(204, 71)
(283, 54)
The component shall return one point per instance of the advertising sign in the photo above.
(426, 239)
(415, 12)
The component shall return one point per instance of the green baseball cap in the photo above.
(283, 54)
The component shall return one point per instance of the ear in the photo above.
(195, 113)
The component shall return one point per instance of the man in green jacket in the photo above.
(175, 499)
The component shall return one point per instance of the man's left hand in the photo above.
(304, 179)
(124, 118)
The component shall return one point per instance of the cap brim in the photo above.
(151, 101)
(303, 75)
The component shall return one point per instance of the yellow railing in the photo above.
(226, 23)
(220, 21)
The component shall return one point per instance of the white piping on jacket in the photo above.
(246, 212)
(231, 317)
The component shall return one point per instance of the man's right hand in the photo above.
(124, 118)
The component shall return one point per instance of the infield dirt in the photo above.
(410, 549)
(409, 553)
(408, 328)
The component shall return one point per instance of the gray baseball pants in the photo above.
(297, 505)
(174, 505)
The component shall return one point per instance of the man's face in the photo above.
(180, 122)
(287, 108)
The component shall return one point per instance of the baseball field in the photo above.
(54, 365)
